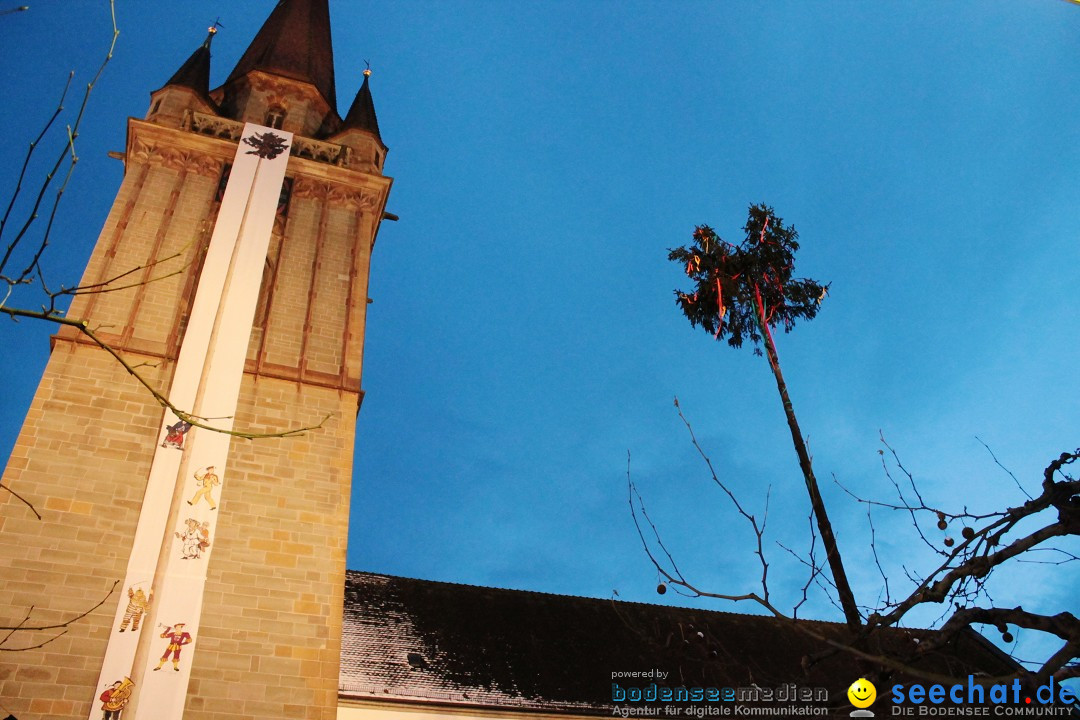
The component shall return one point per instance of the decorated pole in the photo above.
(155, 631)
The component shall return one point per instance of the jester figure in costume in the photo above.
(177, 639)
(138, 603)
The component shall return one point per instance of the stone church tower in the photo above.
(237, 255)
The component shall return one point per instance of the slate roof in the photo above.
(294, 42)
(195, 72)
(361, 113)
(424, 641)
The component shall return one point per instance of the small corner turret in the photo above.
(187, 90)
(360, 130)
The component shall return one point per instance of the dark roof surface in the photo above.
(195, 72)
(361, 114)
(294, 42)
(438, 642)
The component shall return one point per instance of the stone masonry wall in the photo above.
(270, 636)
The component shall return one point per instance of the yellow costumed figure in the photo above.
(205, 480)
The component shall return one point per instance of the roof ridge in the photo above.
(544, 593)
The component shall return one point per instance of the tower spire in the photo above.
(195, 72)
(294, 42)
(361, 115)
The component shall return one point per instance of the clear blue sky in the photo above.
(524, 335)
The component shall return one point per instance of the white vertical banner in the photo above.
(178, 522)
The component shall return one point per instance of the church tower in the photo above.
(236, 256)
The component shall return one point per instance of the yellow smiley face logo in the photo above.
(862, 693)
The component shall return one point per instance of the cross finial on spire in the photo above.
(362, 113)
(212, 31)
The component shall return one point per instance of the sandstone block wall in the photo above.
(271, 625)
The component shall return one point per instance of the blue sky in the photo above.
(524, 337)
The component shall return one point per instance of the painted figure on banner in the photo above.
(174, 434)
(267, 145)
(194, 539)
(114, 698)
(205, 479)
(138, 603)
(178, 638)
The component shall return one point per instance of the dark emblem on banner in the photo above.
(267, 145)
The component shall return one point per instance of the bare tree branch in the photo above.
(758, 531)
(195, 420)
(1007, 470)
(62, 626)
(24, 501)
(69, 152)
(26, 164)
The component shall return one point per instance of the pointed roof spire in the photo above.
(195, 72)
(361, 115)
(294, 42)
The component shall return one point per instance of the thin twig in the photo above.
(1007, 470)
(72, 134)
(26, 164)
(195, 420)
(22, 626)
(24, 500)
(758, 531)
(877, 560)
